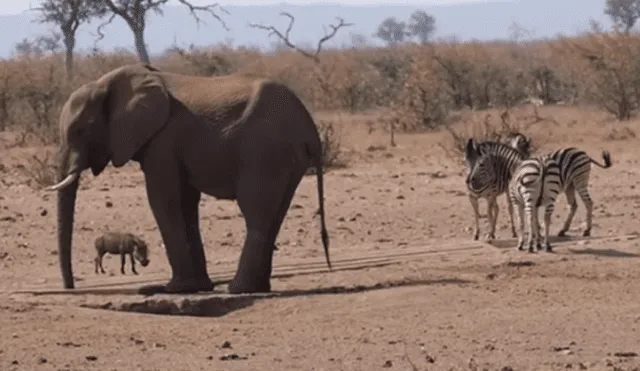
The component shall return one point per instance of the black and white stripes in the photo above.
(490, 167)
(535, 183)
(575, 168)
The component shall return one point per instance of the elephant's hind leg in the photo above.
(261, 199)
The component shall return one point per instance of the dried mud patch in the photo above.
(217, 306)
(221, 305)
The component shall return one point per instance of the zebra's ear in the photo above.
(471, 152)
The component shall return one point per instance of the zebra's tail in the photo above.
(606, 156)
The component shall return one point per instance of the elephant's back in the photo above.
(218, 99)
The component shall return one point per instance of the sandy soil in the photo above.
(410, 290)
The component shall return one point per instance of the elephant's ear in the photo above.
(138, 107)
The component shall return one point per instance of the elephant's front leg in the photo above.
(190, 205)
(261, 200)
(166, 192)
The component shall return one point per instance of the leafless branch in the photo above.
(101, 26)
(284, 37)
(193, 9)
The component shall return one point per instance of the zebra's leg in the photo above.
(476, 216)
(520, 217)
(538, 229)
(529, 210)
(548, 211)
(510, 209)
(492, 215)
(570, 193)
(588, 205)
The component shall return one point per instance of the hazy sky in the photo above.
(17, 6)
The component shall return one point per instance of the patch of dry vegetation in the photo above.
(414, 88)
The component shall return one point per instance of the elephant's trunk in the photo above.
(66, 208)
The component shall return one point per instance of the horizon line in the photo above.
(363, 3)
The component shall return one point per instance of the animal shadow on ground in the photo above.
(283, 271)
(218, 306)
(507, 243)
(607, 253)
(197, 307)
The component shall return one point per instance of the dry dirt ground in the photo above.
(409, 290)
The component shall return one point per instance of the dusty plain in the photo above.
(410, 290)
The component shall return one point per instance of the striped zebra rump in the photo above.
(575, 169)
(536, 183)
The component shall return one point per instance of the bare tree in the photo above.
(517, 32)
(422, 26)
(284, 37)
(392, 31)
(134, 13)
(623, 13)
(358, 40)
(68, 15)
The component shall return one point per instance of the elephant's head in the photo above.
(109, 119)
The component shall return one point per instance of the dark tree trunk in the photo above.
(69, 43)
(141, 47)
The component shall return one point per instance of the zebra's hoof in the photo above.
(562, 234)
(586, 233)
(531, 249)
(489, 238)
(548, 248)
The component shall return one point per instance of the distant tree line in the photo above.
(421, 26)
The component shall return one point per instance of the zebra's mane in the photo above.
(482, 148)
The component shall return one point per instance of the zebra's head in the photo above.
(520, 142)
(482, 172)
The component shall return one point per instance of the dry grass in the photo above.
(412, 88)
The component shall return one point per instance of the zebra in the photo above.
(575, 167)
(490, 167)
(535, 184)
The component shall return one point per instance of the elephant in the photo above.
(231, 137)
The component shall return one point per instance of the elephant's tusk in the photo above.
(65, 183)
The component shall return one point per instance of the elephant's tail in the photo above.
(317, 163)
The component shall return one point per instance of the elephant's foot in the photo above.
(237, 286)
(190, 286)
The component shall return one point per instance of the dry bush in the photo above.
(425, 100)
(489, 127)
(332, 156)
(40, 168)
(612, 71)
(418, 87)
